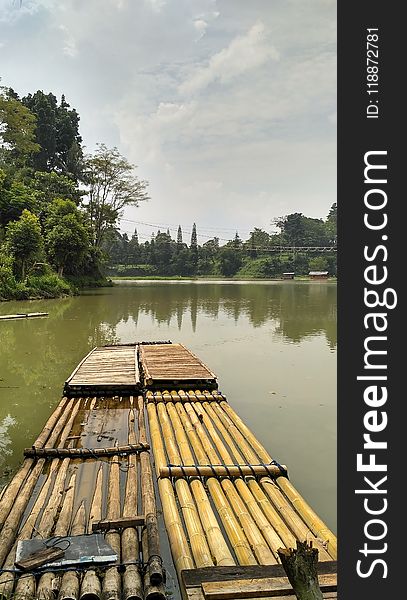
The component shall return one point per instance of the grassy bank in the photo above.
(214, 278)
(50, 285)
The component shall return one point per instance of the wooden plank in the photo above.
(194, 577)
(122, 523)
(258, 588)
(79, 365)
(37, 559)
(197, 594)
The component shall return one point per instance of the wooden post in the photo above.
(301, 568)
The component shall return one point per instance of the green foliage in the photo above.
(298, 230)
(50, 186)
(66, 237)
(24, 241)
(17, 129)
(230, 261)
(111, 185)
(57, 134)
(47, 286)
(264, 268)
(319, 263)
(15, 196)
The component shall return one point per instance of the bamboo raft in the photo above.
(227, 506)
(60, 490)
(24, 315)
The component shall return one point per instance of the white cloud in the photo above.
(69, 46)
(229, 131)
(201, 27)
(245, 52)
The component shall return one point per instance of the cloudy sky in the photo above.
(227, 107)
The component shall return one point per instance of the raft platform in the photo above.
(23, 316)
(227, 506)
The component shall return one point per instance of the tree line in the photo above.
(57, 202)
(262, 254)
(60, 208)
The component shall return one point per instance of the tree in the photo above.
(237, 242)
(15, 196)
(54, 185)
(57, 133)
(111, 185)
(298, 230)
(179, 235)
(230, 261)
(17, 129)
(194, 239)
(331, 224)
(66, 236)
(23, 240)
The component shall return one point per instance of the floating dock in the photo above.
(23, 316)
(227, 506)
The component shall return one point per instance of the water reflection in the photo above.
(265, 329)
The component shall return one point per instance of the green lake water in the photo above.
(272, 345)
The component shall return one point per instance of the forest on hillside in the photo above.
(57, 203)
(262, 254)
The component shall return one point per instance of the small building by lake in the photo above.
(288, 275)
(318, 274)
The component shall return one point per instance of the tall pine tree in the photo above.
(179, 235)
(194, 250)
(194, 239)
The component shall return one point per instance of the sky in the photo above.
(227, 107)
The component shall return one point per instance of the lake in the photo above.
(272, 345)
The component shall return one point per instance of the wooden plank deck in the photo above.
(106, 369)
(173, 366)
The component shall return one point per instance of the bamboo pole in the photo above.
(132, 582)
(160, 458)
(53, 489)
(70, 583)
(85, 453)
(238, 457)
(154, 571)
(205, 441)
(178, 543)
(316, 525)
(10, 527)
(232, 527)
(49, 582)
(268, 531)
(218, 470)
(193, 438)
(222, 556)
(256, 540)
(201, 444)
(112, 580)
(239, 439)
(25, 586)
(197, 539)
(218, 547)
(18, 480)
(272, 515)
(220, 446)
(91, 588)
(51, 431)
(179, 546)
